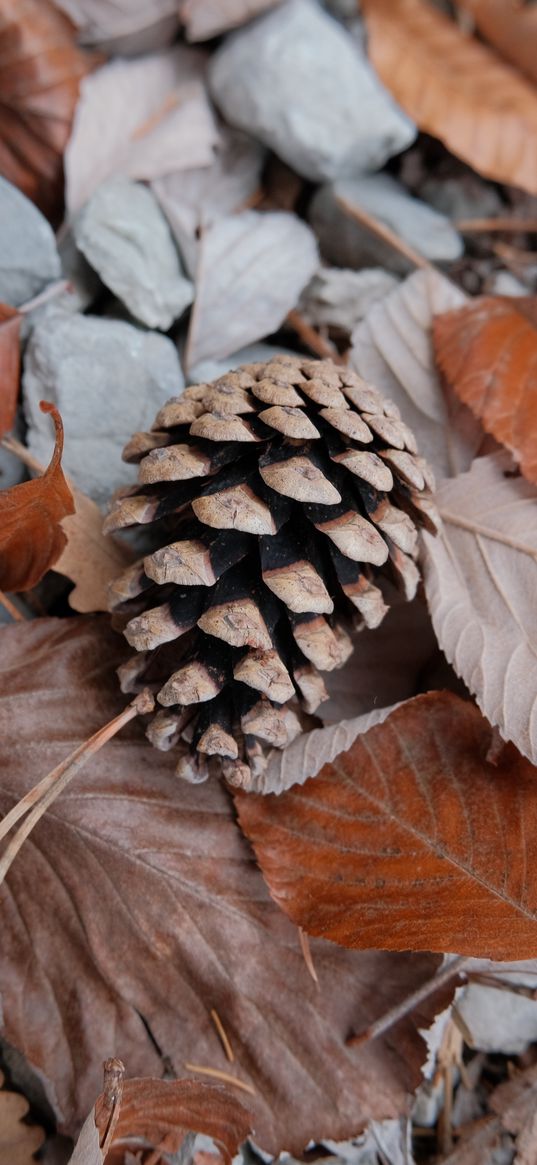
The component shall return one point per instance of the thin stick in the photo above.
(23, 454)
(312, 339)
(46, 791)
(469, 226)
(219, 1075)
(11, 608)
(223, 1035)
(385, 233)
(386, 1021)
(306, 951)
(49, 293)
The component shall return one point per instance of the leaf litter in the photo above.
(207, 944)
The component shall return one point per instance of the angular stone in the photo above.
(339, 298)
(347, 243)
(28, 255)
(298, 82)
(108, 379)
(124, 236)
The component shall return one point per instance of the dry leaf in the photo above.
(193, 199)
(251, 270)
(393, 349)
(31, 538)
(483, 1145)
(456, 89)
(10, 359)
(123, 26)
(40, 72)
(481, 581)
(206, 18)
(18, 1141)
(141, 118)
(383, 670)
(160, 1113)
(90, 558)
(511, 26)
(516, 1103)
(411, 840)
(487, 351)
(193, 924)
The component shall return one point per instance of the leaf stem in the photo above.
(385, 233)
(453, 967)
(11, 608)
(311, 338)
(45, 792)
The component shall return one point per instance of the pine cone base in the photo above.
(279, 498)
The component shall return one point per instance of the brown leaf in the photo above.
(90, 558)
(456, 89)
(480, 580)
(393, 348)
(207, 18)
(409, 841)
(40, 71)
(511, 26)
(193, 927)
(18, 1141)
(159, 1114)
(516, 1103)
(10, 360)
(31, 538)
(487, 351)
(164, 1111)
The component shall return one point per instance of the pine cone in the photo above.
(279, 497)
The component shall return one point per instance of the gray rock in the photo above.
(498, 1021)
(108, 380)
(28, 255)
(347, 243)
(125, 237)
(339, 298)
(297, 81)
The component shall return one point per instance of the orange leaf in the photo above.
(411, 840)
(511, 26)
(40, 70)
(10, 323)
(162, 1112)
(456, 89)
(31, 538)
(488, 353)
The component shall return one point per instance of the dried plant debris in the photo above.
(194, 925)
(280, 496)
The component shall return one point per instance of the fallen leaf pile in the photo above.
(188, 187)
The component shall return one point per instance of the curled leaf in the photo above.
(31, 538)
(487, 351)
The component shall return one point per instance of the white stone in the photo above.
(498, 1020)
(346, 242)
(339, 298)
(299, 83)
(108, 379)
(29, 259)
(124, 236)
